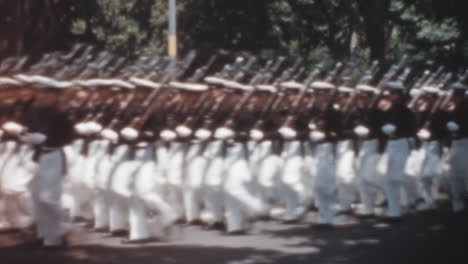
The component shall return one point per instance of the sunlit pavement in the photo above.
(429, 237)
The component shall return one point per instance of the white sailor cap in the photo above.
(104, 82)
(196, 87)
(145, 83)
(322, 85)
(458, 86)
(88, 128)
(214, 80)
(9, 81)
(228, 83)
(292, 85)
(43, 80)
(395, 85)
(430, 89)
(265, 87)
(367, 88)
(344, 89)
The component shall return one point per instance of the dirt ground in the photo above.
(429, 237)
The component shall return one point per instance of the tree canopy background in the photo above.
(430, 31)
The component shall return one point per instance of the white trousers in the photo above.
(457, 172)
(46, 189)
(393, 180)
(324, 184)
(367, 160)
(345, 174)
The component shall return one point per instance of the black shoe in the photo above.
(79, 219)
(290, 221)
(345, 212)
(55, 247)
(365, 216)
(62, 245)
(216, 226)
(262, 218)
(101, 230)
(322, 226)
(119, 233)
(35, 242)
(139, 241)
(236, 233)
(196, 222)
(88, 225)
(392, 219)
(179, 221)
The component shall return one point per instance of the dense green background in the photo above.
(431, 31)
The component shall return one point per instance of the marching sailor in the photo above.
(456, 125)
(48, 129)
(424, 164)
(398, 126)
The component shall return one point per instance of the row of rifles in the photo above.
(102, 95)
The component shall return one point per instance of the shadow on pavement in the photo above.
(429, 238)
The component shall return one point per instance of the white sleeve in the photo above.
(424, 134)
(452, 126)
(361, 131)
(389, 129)
(33, 138)
(13, 128)
(317, 136)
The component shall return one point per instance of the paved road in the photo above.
(430, 237)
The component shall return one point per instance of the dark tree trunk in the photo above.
(28, 26)
(460, 13)
(375, 17)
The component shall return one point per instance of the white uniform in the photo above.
(266, 167)
(213, 192)
(175, 176)
(16, 176)
(97, 152)
(76, 194)
(241, 203)
(196, 165)
(345, 173)
(367, 179)
(392, 174)
(104, 165)
(457, 172)
(141, 185)
(148, 195)
(118, 189)
(46, 191)
(325, 189)
(431, 172)
(292, 187)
